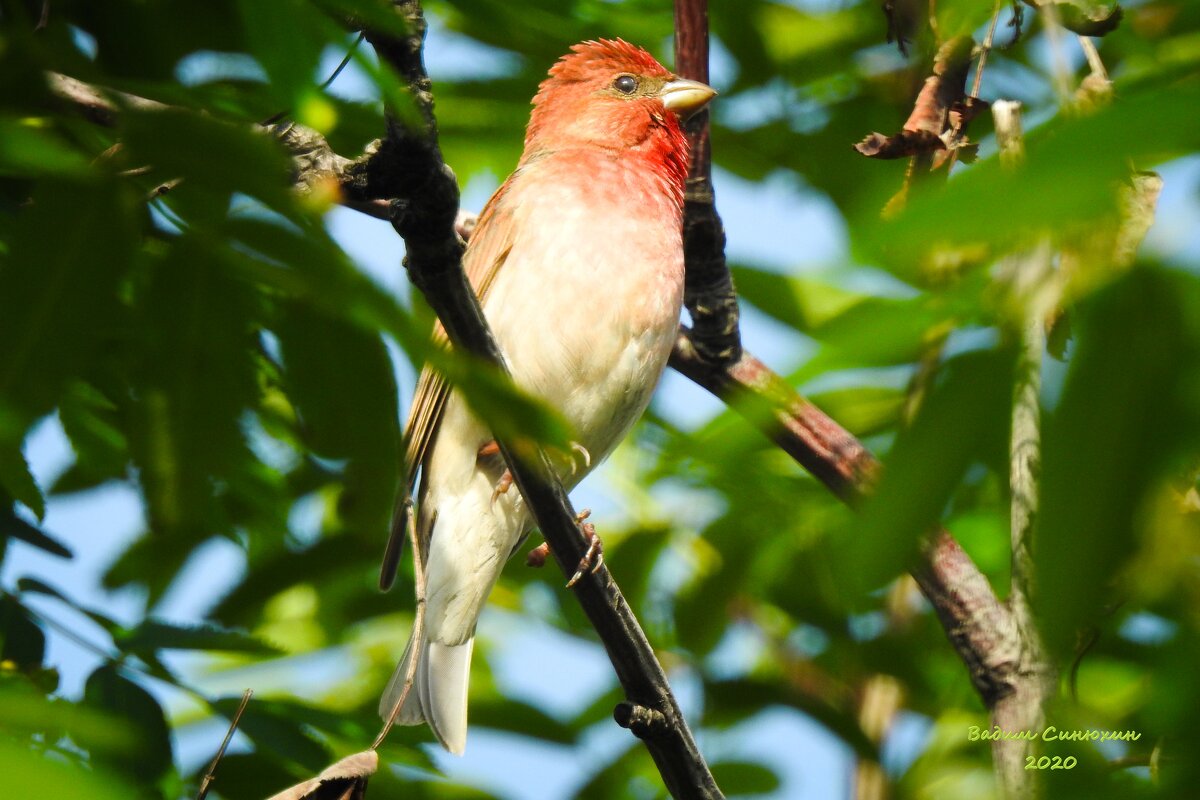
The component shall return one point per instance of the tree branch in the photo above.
(977, 624)
(708, 291)
(409, 163)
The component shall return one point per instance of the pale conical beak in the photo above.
(686, 97)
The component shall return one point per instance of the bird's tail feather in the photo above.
(439, 692)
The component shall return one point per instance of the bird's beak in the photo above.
(686, 97)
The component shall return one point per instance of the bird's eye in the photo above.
(626, 84)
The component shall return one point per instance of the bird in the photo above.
(578, 263)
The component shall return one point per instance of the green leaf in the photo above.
(164, 32)
(193, 380)
(30, 774)
(21, 639)
(92, 422)
(26, 148)
(152, 635)
(862, 410)
(1070, 176)
(506, 714)
(378, 15)
(16, 479)
(731, 702)
(234, 158)
(287, 37)
(341, 381)
(800, 301)
(149, 758)
(27, 584)
(1127, 416)
(59, 295)
(14, 527)
(965, 419)
(744, 777)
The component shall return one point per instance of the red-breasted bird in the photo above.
(578, 262)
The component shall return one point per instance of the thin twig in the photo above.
(210, 775)
(977, 81)
(984, 49)
(1095, 63)
(325, 84)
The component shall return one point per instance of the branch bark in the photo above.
(708, 291)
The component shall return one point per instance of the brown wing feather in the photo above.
(489, 247)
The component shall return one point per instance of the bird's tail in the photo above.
(439, 690)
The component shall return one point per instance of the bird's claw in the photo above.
(502, 486)
(593, 557)
(583, 451)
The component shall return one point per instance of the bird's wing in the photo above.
(486, 252)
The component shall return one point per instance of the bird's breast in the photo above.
(586, 308)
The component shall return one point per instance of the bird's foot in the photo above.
(593, 557)
(502, 486)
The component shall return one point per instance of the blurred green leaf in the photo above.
(14, 527)
(153, 635)
(507, 714)
(964, 419)
(30, 775)
(744, 778)
(864, 410)
(149, 757)
(194, 378)
(59, 294)
(234, 159)
(287, 38)
(28, 149)
(17, 481)
(1126, 416)
(23, 641)
(1070, 176)
(92, 422)
(802, 302)
(341, 381)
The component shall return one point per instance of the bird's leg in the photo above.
(491, 451)
(502, 486)
(593, 557)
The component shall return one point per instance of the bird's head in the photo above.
(612, 95)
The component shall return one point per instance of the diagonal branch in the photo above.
(977, 624)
